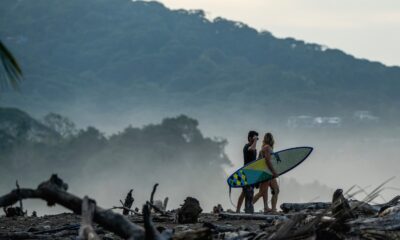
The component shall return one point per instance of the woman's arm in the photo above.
(267, 150)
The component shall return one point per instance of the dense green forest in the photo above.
(38, 147)
(108, 56)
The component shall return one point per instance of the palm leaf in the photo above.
(13, 73)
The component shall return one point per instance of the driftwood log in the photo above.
(387, 227)
(238, 235)
(254, 216)
(54, 191)
(297, 207)
(23, 235)
(157, 209)
(190, 210)
(363, 208)
(152, 194)
(21, 206)
(199, 234)
(46, 234)
(153, 206)
(63, 228)
(341, 219)
(218, 209)
(395, 201)
(285, 231)
(127, 204)
(86, 231)
(136, 211)
(151, 231)
(165, 203)
(341, 209)
(13, 211)
(220, 228)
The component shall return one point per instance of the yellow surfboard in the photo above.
(257, 171)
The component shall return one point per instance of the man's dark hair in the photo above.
(251, 135)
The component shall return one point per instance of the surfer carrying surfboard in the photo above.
(249, 155)
(265, 170)
(266, 153)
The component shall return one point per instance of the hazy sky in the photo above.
(364, 28)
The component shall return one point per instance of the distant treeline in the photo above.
(171, 149)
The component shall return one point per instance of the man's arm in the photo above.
(267, 155)
(254, 144)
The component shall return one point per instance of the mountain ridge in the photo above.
(112, 55)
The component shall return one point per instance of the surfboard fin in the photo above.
(278, 159)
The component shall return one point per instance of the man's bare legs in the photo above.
(240, 202)
(275, 193)
(247, 196)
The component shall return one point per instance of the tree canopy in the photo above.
(123, 53)
(170, 152)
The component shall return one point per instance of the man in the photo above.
(249, 155)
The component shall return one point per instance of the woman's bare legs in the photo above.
(263, 192)
(262, 189)
(265, 199)
(275, 192)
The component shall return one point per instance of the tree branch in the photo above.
(54, 191)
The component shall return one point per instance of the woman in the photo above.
(266, 152)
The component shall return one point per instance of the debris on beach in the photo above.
(343, 218)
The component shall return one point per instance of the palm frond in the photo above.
(13, 73)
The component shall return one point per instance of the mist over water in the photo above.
(343, 156)
(353, 153)
(363, 154)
